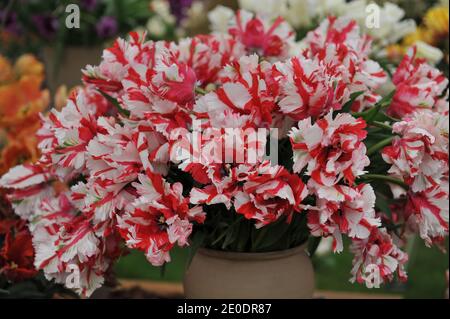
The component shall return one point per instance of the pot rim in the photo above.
(220, 254)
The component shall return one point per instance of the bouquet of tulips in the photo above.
(227, 141)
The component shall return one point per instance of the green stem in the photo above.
(384, 178)
(115, 103)
(200, 91)
(380, 145)
(382, 125)
(221, 236)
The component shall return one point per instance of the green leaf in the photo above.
(258, 236)
(313, 243)
(274, 235)
(372, 114)
(195, 244)
(348, 106)
(114, 102)
(231, 235)
(384, 179)
(387, 100)
(383, 117)
(379, 145)
(243, 236)
(382, 203)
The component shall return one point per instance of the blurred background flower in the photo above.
(21, 101)
(107, 27)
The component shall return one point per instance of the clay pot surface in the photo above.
(286, 274)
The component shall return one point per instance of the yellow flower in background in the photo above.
(433, 31)
(421, 34)
(436, 21)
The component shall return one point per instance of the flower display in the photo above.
(165, 145)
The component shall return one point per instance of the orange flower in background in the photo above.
(21, 97)
(21, 101)
(6, 70)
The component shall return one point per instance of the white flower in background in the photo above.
(432, 54)
(219, 18)
(299, 13)
(162, 9)
(156, 26)
(330, 7)
(195, 15)
(391, 26)
(303, 13)
(265, 8)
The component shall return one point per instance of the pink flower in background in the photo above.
(158, 219)
(89, 5)
(338, 44)
(29, 185)
(245, 98)
(270, 193)
(377, 259)
(271, 40)
(73, 128)
(419, 155)
(309, 89)
(428, 211)
(418, 86)
(330, 149)
(208, 54)
(351, 213)
(116, 61)
(69, 249)
(46, 25)
(174, 81)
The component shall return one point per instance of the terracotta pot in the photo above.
(68, 70)
(286, 274)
